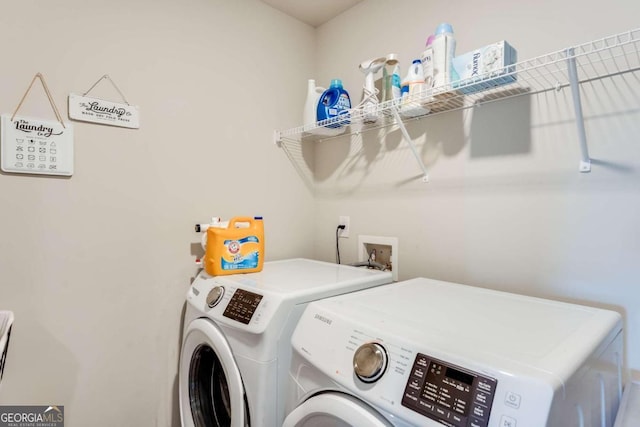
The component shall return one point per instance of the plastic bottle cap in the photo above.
(444, 28)
(416, 61)
(336, 83)
(392, 59)
(430, 40)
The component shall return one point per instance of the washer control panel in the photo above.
(242, 306)
(449, 394)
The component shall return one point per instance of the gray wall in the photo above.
(506, 207)
(96, 267)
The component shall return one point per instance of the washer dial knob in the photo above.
(215, 296)
(370, 362)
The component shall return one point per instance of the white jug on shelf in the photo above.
(310, 105)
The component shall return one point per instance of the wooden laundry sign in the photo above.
(88, 109)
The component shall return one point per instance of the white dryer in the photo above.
(236, 346)
(430, 353)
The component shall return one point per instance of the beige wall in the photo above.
(96, 267)
(506, 207)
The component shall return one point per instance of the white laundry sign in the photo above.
(36, 146)
(104, 112)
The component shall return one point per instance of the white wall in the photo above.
(506, 207)
(96, 267)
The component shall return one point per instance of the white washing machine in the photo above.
(236, 346)
(430, 353)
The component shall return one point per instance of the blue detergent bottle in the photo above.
(334, 102)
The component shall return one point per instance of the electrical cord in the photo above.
(340, 227)
(368, 98)
(368, 106)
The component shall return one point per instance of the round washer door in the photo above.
(336, 410)
(211, 390)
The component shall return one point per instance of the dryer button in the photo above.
(506, 421)
(512, 399)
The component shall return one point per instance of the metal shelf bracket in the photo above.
(585, 161)
(407, 138)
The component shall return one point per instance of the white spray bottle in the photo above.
(369, 104)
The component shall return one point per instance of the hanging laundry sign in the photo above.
(87, 109)
(36, 146)
(104, 112)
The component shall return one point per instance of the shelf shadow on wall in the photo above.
(380, 156)
(501, 128)
(362, 161)
(444, 136)
(330, 155)
(384, 152)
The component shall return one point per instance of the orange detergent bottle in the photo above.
(239, 248)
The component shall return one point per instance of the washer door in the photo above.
(211, 390)
(334, 410)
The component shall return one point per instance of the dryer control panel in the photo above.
(449, 394)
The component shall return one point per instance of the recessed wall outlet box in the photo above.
(383, 249)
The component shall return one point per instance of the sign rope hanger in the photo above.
(106, 76)
(46, 89)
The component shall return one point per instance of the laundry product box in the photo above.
(485, 68)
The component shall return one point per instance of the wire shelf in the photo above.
(606, 57)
